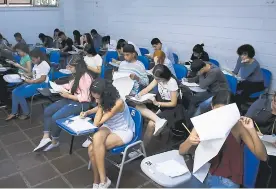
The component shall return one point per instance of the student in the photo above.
(3, 41)
(29, 88)
(77, 37)
(135, 68)
(120, 51)
(121, 43)
(97, 39)
(56, 38)
(116, 128)
(19, 40)
(46, 40)
(159, 57)
(250, 72)
(209, 77)
(199, 53)
(263, 112)
(109, 44)
(88, 42)
(167, 101)
(157, 45)
(76, 101)
(93, 61)
(66, 44)
(226, 169)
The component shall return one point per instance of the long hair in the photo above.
(108, 93)
(77, 36)
(78, 62)
(163, 72)
(161, 56)
(37, 53)
(89, 39)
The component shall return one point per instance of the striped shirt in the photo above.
(139, 70)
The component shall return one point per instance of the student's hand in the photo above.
(154, 101)
(114, 60)
(134, 77)
(83, 115)
(259, 133)
(29, 81)
(155, 59)
(141, 93)
(16, 65)
(64, 94)
(194, 138)
(247, 122)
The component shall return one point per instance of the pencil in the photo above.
(186, 128)
(257, 127)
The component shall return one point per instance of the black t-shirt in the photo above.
(204, 56)
(48, 42)
(69, 43)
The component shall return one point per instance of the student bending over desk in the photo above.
(116, 128)
(226, 169)
(76, 98)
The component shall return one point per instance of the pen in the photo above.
(257, 127)
(186, 128)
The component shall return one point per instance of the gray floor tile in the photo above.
(20, 148)
(15, 181)
(7, 167)
(8, 129)
(34, 132)
(13, 138)
(54, 183)
(78, 181)
(29, 160)
(67, 163)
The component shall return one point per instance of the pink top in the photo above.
(83, 91)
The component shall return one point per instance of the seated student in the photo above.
(135, 68)
(46, 40)
(159, 57)
(199, 53)
(250, 72)
(210, 78)
(123, 41)
(66, 44)
(56, 39)
(87, 42)
(3, 41)
(39, 79)
(167, 100)
(109, 44)
(263, 112)
(120, 51)
(97, 39)
(77, 37)
(116, 128)
(19, 40)
(226, 169)
(77, 100)
(93, 61)
(157, 45)
(24, 68)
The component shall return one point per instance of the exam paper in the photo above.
(270, 148)
(81, 125)
(268, 138)
(202, 172)
(143, 98)
(124, 85)
(56, 87)
(171, 168)
(189, 84)
(118, 75)
(77, 118)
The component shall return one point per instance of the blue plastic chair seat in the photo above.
(144, 51)
(180, 70)
(176, 59)
(145, 61)
(232, 83)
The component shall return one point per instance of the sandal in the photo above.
(10, 117)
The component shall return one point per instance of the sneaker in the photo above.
(106, 184)
(42, 143)
(51, 146)
(134, 154)
(95, 186)
(23, 117)
(86, 143)
(159, 126)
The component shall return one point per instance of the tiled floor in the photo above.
(20, 167)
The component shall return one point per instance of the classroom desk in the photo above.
(160, 178)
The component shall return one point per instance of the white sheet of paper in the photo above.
(124, 85)
(217, 123)
(114, 64)
(53, 91)
(81, 125)
(202, 172)
(149, 72)
(144, 97)
(77, 118)
(270, 149)
(118, 75)
(171, 168)
(268, 138)
(197, 89)
(189, 84)
(56, 87)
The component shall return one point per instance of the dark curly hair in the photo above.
(108, 93)
(246, 49)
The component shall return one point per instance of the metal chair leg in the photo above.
(71, 145)
(89, 165)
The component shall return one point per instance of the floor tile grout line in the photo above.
(43, 182)
(19, 172)
(47, 160)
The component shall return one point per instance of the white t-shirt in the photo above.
(93, 61)
(165, 89)
(135, 47)
(41, 69)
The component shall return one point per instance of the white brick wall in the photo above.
(222, 25)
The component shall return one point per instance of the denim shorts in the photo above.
(214, 181)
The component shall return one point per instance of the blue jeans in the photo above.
(204, 107)
(220, 182)
(19, 95)
(61, 109)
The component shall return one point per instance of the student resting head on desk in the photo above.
(76, 98)
(226, 169)
(39, 79)
(116, 128)
(250, 72)
(167, 103)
